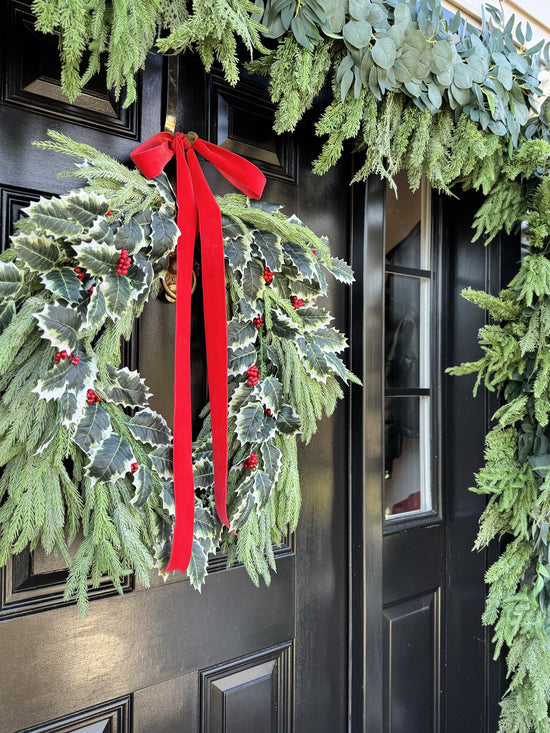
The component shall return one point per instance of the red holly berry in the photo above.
(267, 411)
(268, 275)
(92, 397)
(109, 213)
(80, 273)
(91, 290)
(134, 467)
(258, 321)
(314, 252)
(75, 360)
(123, 262)
(297, 302)
(253, 376)
(251, 461)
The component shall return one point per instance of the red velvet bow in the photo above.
(198, 212)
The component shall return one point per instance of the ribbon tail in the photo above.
(215, 321)
(184, 488)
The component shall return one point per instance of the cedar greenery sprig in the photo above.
(81, 451)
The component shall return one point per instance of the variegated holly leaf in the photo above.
(240, 360)
(130, 237)
(245, 506)
(272, 355)
(97, 258)
(55, 381)
(308, 290)
(141, 276)
(164, 236)
(60, 325)
(340, 270)
(231, 228)
(203, 473)
(301, 259)
(237, 252)
(7, 312)
(167, 497)
(206, 525)
(38, 252)
(283, 325)
(82, 374)
(266, 206)
(110, 460)
(143, 483)
(148, 426)
(241, 333)
(268, 430)
(337, 366)
(84, 207)
(118, 294)
(129, 389)
(50, 216)
(271, 394)
(63, 283)
(11, 279)
(92, 428)
(270, 250)
(67, 377)
(249, 423)
(70, 408)
(313, 318)
(239, 398)
(163, 462)
(96, 313)
(288, 421)
(248, 310)
(320, 279)
(253, 281)
(262, 489)
(101, 231)
(198, 562)
(328, 339)
(202, 448)
(271, 460)
(316, 359)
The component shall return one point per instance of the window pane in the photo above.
(404, 239)
(407, 455)
(406, 331)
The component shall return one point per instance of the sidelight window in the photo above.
(408, 345)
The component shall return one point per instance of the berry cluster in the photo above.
(134, 467)
(123, 262)
(251, 461)
(268, 275)
(267, 411)
(79, 273)
(91, 290)
(64, 355)
(258, 321)
(253, 376)
(91, 397)
(297, 302)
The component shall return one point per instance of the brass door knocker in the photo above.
(168, 282)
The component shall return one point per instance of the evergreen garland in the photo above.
(80, 449)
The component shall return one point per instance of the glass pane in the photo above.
(403, 228)
(407, 455)
(406, 331)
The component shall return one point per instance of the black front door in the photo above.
(419, 589)
(234, 658)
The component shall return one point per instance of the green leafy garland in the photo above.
(80, 448)
(461, 106)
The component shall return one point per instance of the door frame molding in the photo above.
(366, 458)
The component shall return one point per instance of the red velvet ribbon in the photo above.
(198, 212)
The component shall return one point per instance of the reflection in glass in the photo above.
(402, 331)
(406, 485)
